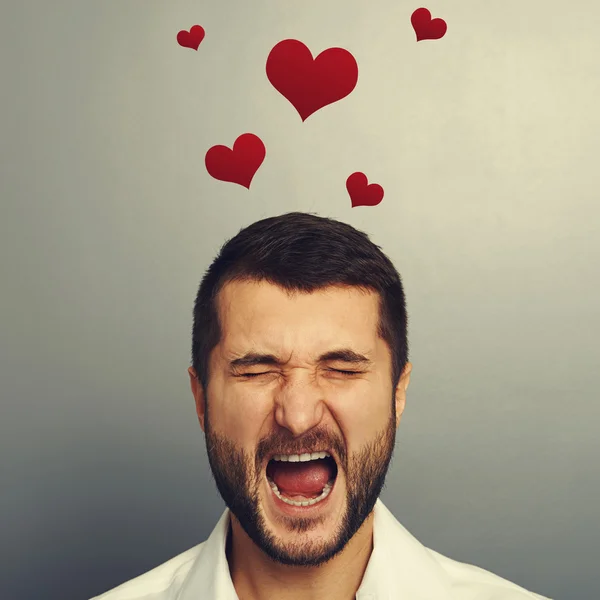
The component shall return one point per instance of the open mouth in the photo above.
(302, 483)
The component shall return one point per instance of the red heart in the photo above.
(311, 84)
(192, 38)
(362, 194)
(427, 28)
(238, 165)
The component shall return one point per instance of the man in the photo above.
(299, 374)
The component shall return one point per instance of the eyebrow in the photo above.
(346, 355)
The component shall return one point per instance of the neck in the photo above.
(256, 577)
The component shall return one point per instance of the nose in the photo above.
(299, 405)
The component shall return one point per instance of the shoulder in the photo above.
(158, 583)
(469, 582)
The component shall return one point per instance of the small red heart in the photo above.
(238, 165)
(311, 84)
(362, 194)
(427, 28)
(192, 38)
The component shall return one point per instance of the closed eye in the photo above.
(333, 370)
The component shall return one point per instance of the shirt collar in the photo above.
(399, 566)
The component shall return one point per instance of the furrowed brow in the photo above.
(345, 355)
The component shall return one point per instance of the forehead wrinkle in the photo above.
(263, 343)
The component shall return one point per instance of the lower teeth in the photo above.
(324, 494)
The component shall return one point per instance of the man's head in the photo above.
(300, 344)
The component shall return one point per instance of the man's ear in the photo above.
(401, 392)
(198, 394)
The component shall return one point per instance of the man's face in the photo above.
(300, 404)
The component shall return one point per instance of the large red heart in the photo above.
(238, 165)
(427, 28)
(311, 84)
(361, 193)
(191, 38)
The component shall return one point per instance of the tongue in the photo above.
(300, 478)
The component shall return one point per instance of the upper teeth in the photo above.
(301, 457)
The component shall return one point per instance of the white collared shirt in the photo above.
(400, 568)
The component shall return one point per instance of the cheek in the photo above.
(362, 429)
(239, 418)
(365, 416)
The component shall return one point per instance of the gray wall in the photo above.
(487, 144)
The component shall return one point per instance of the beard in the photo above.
(239, 479)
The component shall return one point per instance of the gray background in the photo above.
(487, 144)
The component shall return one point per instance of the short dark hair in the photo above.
(301, 252)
